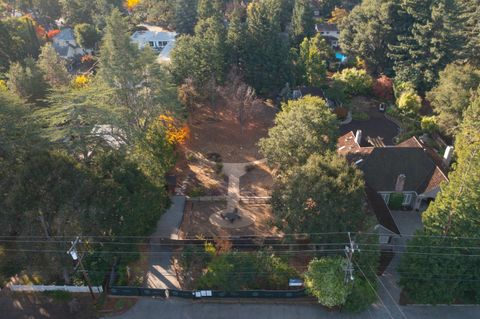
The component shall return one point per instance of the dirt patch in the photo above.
(38, 305)
(199, 178)
(218, 129)
(258, 181)
(196, 221)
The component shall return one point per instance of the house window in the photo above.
(151, 43)
(383, 239)
(162, 44)
(386, 197)
(407, 198)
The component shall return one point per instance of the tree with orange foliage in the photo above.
(176, 133)
(131, 4)
(383, 88)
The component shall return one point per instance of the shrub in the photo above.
(218, 167)
(244, 270)
(361, 297)
(383, 88)
(429, 124)
(196, 191)
(395, 201)
(325, 280)
(341, 112)
(356, 82)
(409, 102)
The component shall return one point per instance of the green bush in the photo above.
(409, 102)
(429, 124)
(325, 280)
(244, 270)
(355, 81)
(361, 297)
(395, 201)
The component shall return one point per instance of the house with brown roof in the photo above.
(410, 171)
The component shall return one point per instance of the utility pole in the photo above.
(349, 250)
(74, 253)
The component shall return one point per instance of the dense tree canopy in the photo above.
(324, 195)
(368, 31)
(456, 88)
(303, 127)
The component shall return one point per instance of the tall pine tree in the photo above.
(185, 16)
(430, 41)
(302, 24)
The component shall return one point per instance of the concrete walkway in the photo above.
(161, 274)
(234, 171)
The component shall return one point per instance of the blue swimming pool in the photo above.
(340, 56)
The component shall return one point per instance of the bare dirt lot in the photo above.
(218, 130)
(199, 178)
(196, 221)
(258, 181)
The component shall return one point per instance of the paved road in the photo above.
(160, 274)
(185, 309)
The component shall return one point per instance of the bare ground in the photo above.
(258, 181)
(196, 221)
(218, 129)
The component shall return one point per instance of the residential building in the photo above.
(330, 32)
(66, 46)
(158, 39)
(410, 168)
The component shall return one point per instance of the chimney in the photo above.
(447, 156)
(400, 184)
(358, 137)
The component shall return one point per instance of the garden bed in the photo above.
(258, 181)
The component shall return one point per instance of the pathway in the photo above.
(161, 274)
(234, 171)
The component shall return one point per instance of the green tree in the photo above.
(303, 127)
(236, 35)
(312, 61)
(324, 195)
(157, 12)
(27, 81)
(141, 87)
(266, 56)
(440, 253)
(355, 81)
(302, 24)
(202, 57)
(86, 35)
(409, 102)
(19, 41)
(53, 67)
(209, 8)
(325, 280)
(44, 11)
(154, 153)
(185, 16)
(456, 88)
(368, 31)
(471, 28)
(430, 40)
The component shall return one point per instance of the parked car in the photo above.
(382, 107)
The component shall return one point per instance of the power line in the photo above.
(374, 290)
(388, 292)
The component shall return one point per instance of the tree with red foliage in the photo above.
(52, 33)
(383, 88)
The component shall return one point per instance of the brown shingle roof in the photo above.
(381, 166)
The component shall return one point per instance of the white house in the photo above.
(330, 32)
(65, 45)
(160, 40)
